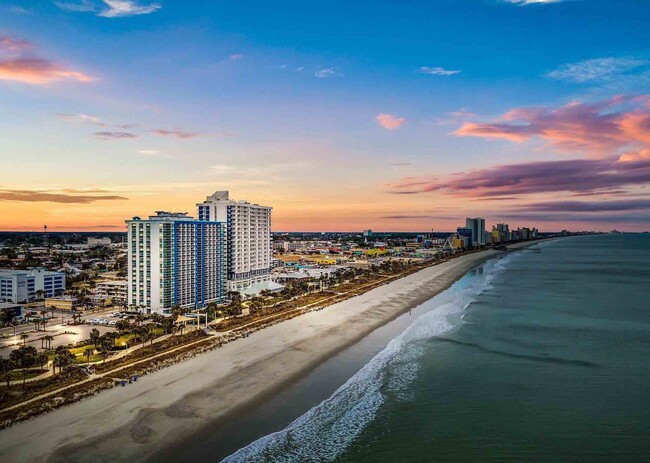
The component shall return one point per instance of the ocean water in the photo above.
(537, 356)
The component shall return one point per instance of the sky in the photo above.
(400, 115)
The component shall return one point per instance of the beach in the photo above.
(163, 408)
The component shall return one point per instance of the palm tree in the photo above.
(63, 357)
(105, 349)
(37, 323)
(43, 323)
(23, 338)
(94, 336)
(88, 353)
(7, 377)
(104, 354)
(42, 359)
(48, 340)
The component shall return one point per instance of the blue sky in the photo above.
(329, 111)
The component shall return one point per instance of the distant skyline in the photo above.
(395, 116)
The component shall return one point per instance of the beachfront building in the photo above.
(175, 260)
(18, 286)
(503, 231)
(114, 290)
(477, 225)
(249, 240)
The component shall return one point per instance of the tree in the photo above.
(5, 365)
(43, 323)
(88, 353)
(176, 311)
(150, 334)
(48, 340)
(167, 324)
(105, 348)
(94, 337)
(112, 337)
(5, 316)
(23, 338)
(41, 360)
(7, 377)
(122, 326)
(24, 356)
(63, 358)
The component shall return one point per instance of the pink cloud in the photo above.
(175, 133)
(21, 66)
(598, 128)
(235, 57)
(12, 44)
(389, 121)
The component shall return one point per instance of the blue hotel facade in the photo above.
(175, 260)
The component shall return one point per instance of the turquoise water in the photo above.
(532, 357)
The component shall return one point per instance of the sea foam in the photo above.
(327, 430)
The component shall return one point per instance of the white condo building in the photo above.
(174, 260)
(249, 239)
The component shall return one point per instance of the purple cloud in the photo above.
(115, 135)
(587, 206)
(576, 175)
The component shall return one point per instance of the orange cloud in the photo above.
(389, 121)
(632, 156)
(31, 196)
(38, 71)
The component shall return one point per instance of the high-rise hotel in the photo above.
(176, 260)
(249, 239)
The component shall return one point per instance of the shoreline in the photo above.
(209, 389)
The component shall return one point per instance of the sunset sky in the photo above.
(398, 115)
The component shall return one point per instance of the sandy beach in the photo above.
(135, 422)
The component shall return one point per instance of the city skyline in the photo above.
(415, 117)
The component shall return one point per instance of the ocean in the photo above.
(542, 355)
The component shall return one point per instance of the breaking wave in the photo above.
(327, 430)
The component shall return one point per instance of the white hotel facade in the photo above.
(249, 239)
(176, 260)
